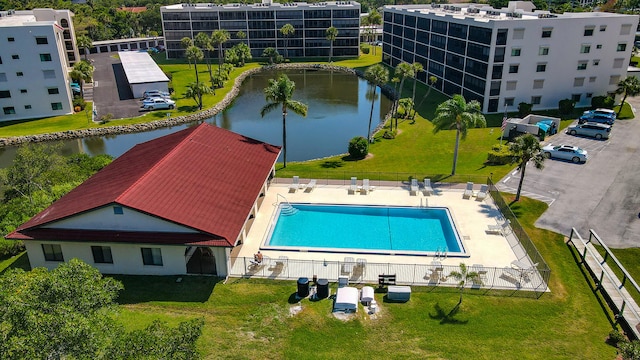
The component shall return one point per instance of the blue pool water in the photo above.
(370, 228)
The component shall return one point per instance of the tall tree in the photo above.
(84, 42)
(417, 68)
(203, 41)
(241, 35)
(403, 71)
(432, 81)
(271, 53)
(629, 86)
(279, 94)
(332, 34)
(463, 277)
(218, 38)
(195, 54)
(457, 113)
(195, 91)
(186, 43)
(287, 30)
(376, 75)
(373, 20)
(525, 148)
(69, 313)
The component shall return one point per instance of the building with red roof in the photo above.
(173, 205)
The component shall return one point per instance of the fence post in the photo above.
(600, 280)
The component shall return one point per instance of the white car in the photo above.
(148, 93)
(155, 96)
(158, 103)
(565, 152)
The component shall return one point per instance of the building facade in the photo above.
(504, 57)
(261, 23)
(35, 60)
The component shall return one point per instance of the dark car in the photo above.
(597, 118)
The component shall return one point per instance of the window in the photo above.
(4, 94)
(546, 32)
(592, 79)
(45, 57)
(617, 63)
(118, 210)
(541, 67)
(621, 47)
(19, 73)
(3, 77)
(151, 256)
(102, 254)
(596, 62)
(52, 252)
(49, 74)
(10, 39)
(0, 59)
(9, 110)
(598, 46)
(518, 34)
(17, 57)
(589, 95)
(582, 65)
(513, 69)
(614, 79)
(56, 106)
(585, 49)
(543, 50)
(53, 91)
(625, 29)
(535, 100)
(23, 91)
(575, 97)
(538, 84)
(577, 82)
(508, 101)
(41, 40)
(27, 107)
(511, 85)
(603, 27)
(515, 52)
(588, 32)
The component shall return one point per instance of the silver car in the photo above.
(595, 130)
(158, 103)
(565, 152)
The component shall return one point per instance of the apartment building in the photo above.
(502, 57)
(261, 24)
(35, 59)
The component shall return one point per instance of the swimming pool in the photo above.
(369, 229)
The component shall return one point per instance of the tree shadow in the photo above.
(447, 318)
(146, 288)
(21, 261)
(188, 108)
(332, 164)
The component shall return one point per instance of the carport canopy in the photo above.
(142, 73)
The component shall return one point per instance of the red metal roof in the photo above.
(204, 177)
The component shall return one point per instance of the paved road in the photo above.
(111, 92)
(603, 194)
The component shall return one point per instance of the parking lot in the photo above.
(603, 194)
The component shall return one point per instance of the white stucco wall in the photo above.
(127, 258)
(131, 220)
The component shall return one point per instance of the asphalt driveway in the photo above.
(603, 194)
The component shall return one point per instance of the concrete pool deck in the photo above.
(471, 217)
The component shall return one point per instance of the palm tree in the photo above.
(82, 72)
(432, 81)
(195, 54)
(196, 90)
(374, 18)
(279, 94)
(628, 86)
(376, 75)
(84, 42)
(332, 34)
(524, 148)
(287, 30)
(271, 53)
(463, 277)
(186, 42)
(241, 35)
(218, 38)
(457, 113)
(417, 67)
(403, 70)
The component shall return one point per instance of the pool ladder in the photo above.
(441, 254)
(287, 209)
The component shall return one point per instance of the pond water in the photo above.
(338, 110)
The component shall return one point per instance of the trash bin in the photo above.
(323, 288)
(303, 287)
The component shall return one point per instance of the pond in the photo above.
(338, 111)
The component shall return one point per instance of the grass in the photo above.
(626, 113)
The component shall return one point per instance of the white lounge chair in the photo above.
(347, 265)
(468, 192)
(354, 185)
(482, 194)
(366, 187)
(413, 190)
(295, 184)
(501, 229)
(427, 190)
(311, 185)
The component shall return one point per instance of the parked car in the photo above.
(606, 112)
(148, 93)
(592, 129)
(565, 152)
(602, 116)
(75, 87)
(158, 103)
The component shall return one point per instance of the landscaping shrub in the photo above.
(106, 118)
(524, 109)
(365, 48)
(10, 248)
(79, 102)
(566, 106)
(358, 147)
(630, 350)
(602, 102)
(616, 337)
(390, 134)
(499, 155)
